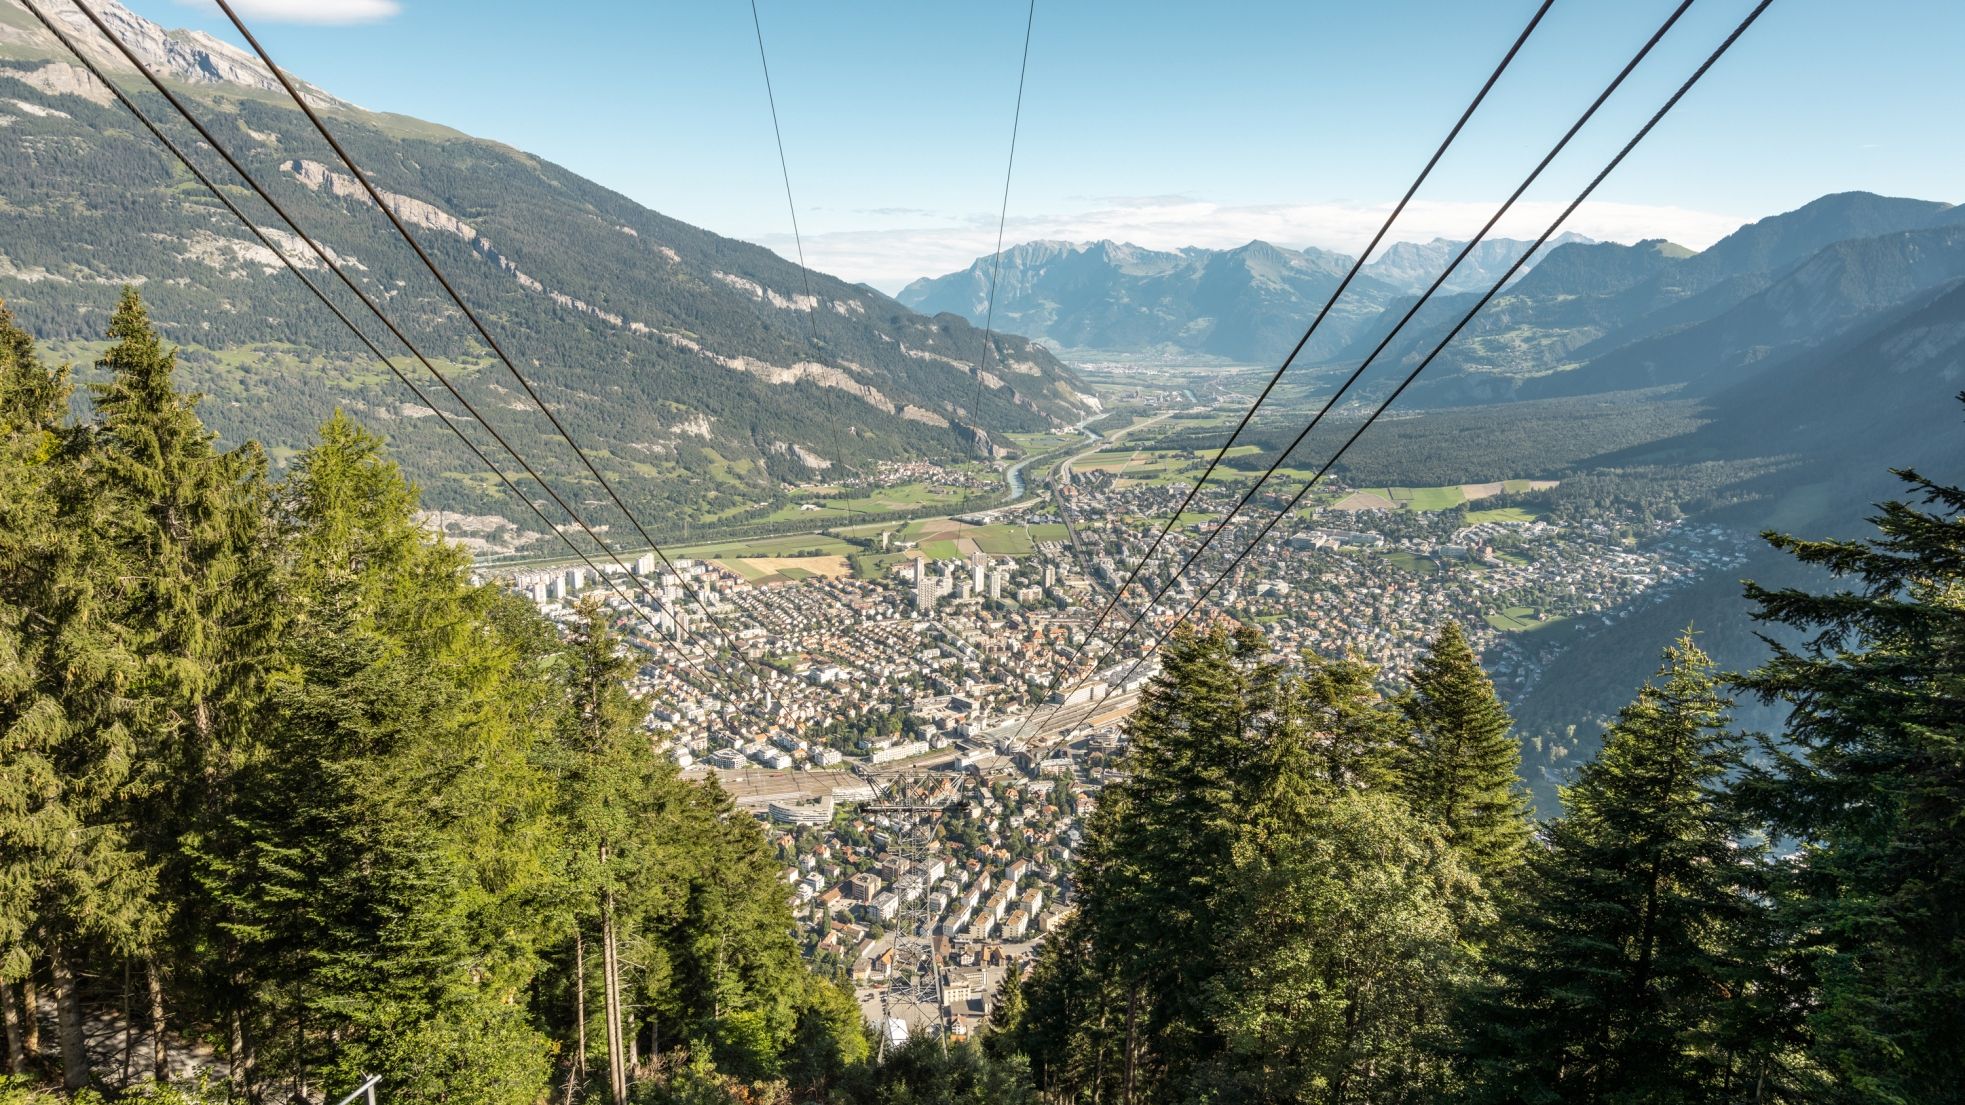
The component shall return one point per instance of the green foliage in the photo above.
(919, 1073)
(1869, 781)
(1462, 769)
(1262, 917)
(269, 746)
(70, 871)
(1635, 965)
(1344, 949)
(276, 364)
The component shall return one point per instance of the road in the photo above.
(1064, 466)
(1013, 475)
(1064, 477)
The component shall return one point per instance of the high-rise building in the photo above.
(925, 590)
(576, 578)
(978, 564)
(645, 564)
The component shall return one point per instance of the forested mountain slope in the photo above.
(687, 362)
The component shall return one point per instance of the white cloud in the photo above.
(889, 256)
(310, 11)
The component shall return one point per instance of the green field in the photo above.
(1521, 619)
(836, 505)
(751, 572)
(1425, 498)
(941, 550)
(1502, 514)
(1002, 540)
(1411, 562)
(875, 565)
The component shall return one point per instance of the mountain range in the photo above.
(695, 368)
(1244, 304)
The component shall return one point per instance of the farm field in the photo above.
(838, 505)
(1443, 498)
(1502, 514)
(761, 571)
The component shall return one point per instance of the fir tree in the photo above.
(1633, 965)
(1463, 769)
(183, 532)
(1342, 955)
(1869, 780)
(1355, 735)
(607, 790)
(70, 877)
(385, 855)
(1118, 1004)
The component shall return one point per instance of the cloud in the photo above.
(335, 12)
(887, 257)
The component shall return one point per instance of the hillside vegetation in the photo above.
(694, 368)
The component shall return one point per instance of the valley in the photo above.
(484, 640)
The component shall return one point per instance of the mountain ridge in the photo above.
(1244, 303)
(684, 361)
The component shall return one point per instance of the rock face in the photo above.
(189, 57)
(686, 361)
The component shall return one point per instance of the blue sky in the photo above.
(1165, 124)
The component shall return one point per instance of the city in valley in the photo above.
(932, 719)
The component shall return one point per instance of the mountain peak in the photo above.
(181, 56)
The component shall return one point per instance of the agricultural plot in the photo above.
(824, 507)
(1440, 498)
(761, 571)
(1502, 514)
(875, 565)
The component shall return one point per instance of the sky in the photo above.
(1163, 124)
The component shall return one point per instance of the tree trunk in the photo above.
(10, 1018)
(68, 1021)
(580, 1002)
(1132, 1040)
(617, 1070)
(160, 1056)
(30, 1021)
(235, 1055)
(129, 1027)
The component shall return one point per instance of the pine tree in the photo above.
(1342, 953)
(1633, 966)
(1869, 779)
(184, 526)
(70, 877)
(1119, 1001)
(608, 789)
(387, 854)
(1355, 734)
(1463, 769)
